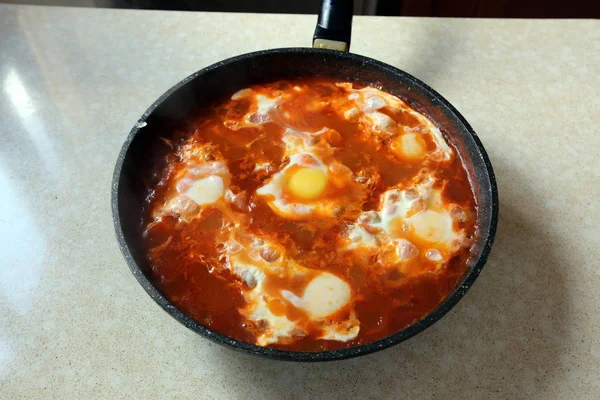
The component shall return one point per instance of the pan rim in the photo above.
(327, 355)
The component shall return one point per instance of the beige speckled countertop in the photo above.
(75, 324)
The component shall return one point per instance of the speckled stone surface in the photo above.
(74, 323)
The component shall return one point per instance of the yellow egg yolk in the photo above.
(307, 183)
(410, 145)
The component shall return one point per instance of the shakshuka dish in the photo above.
(308, 215)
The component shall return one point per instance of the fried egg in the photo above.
(286, 300)
(409, 223)
(312, 183)
(366, 105)
(199, 184)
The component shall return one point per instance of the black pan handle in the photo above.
(334, 26)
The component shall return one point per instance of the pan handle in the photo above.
(334, 25)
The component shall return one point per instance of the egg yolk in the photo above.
(308, 183)
(410, 145)
(206, 190)
(433, 227)
(323, 296)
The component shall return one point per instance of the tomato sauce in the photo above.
(186, 254)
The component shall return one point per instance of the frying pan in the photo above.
(175, 110)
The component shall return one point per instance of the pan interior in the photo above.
(185, 101)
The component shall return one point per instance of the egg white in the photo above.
(324, 295)
(273, 190)
(364, 106)
(202, 185)
(300, 147)
(418, 210)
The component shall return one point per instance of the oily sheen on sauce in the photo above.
(309, 214)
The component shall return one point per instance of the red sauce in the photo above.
(186, 258)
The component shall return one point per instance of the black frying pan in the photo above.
(175, 109)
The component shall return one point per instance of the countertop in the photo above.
(74, 323)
